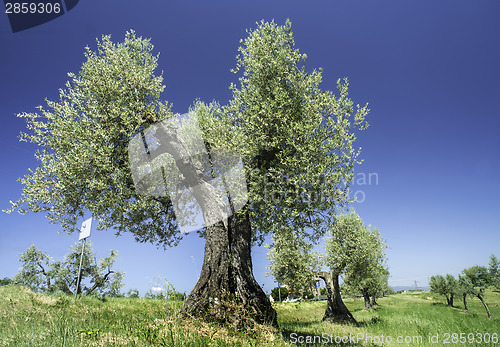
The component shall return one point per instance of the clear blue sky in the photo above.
(430, 71)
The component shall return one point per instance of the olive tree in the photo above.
(354, 250)
(40, 273)
(296, 142)
(494, 271)
(369, 274)
(445, 285)
(477, 280)
(35, 272)
(292, 261)
(466, 288)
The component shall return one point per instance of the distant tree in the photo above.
(494, 271)
(96, 278)
(5, 281)
(447, 286)
(388, 290)
(479, 278)
(151, 294)
(367, 273)
(350, 242)
(466, 288)
(39, 273)
(133, 293)
(279, 292)
(35, 272)
(292, 262)
(452, 287)
(378, 286)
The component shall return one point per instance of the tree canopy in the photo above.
(296, 140)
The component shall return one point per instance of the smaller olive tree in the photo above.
(279, 293)
(466, 288)
(494, 271)
(5, 281)
(35, 272)
(292, 261)
(445, 285)
(133, 294)
(477, 279)
(349, 243)
(40, 273)
(367, 273)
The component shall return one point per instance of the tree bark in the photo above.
(450, 302)
(227, 290)
(465, 303)
(47, 277)
(98, 283)
(366, 297)
(484, 304)
(336, 311)
(374, 302)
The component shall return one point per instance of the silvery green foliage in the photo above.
(367, 269)
(40, 273)
(83, 137)
(296, 140)
(494, 271)
(97, 277)
(351, 243)
(292, 261)
(34, 271)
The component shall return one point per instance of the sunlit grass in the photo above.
(31, 319)
(405, 316)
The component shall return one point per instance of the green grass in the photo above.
(409, 316)
(31, 319)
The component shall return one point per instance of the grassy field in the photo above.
(32, 319)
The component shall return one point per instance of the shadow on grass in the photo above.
(372, 321)
(362, 309)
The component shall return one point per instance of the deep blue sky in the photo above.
(429, 70)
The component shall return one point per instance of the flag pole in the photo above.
(80, 269)
(84, 233)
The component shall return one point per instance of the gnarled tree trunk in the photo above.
(336, 311)
(484, 304)
(366, 297)
(227, 290)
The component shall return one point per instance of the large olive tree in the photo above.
(295, 141)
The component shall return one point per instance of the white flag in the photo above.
(85, 231)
